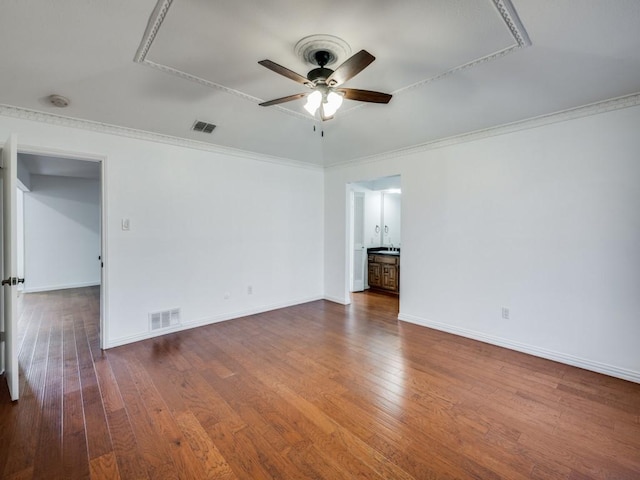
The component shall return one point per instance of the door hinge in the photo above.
(2, 337)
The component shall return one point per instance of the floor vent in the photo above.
(166, 319)
(203, 127)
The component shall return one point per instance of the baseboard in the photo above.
(207, 321)
(611, 370)
(51, 288)
(341, 301)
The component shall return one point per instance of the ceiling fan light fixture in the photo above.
(332, 104)
(313, 102)
(324, 82)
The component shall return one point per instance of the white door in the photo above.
(10, 264)
(359, 252)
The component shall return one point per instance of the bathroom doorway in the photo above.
(375, 234)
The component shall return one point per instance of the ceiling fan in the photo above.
(324, 83)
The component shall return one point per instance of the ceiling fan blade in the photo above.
(364, 95)
(284, 99)
(284, 71)
(350, 68)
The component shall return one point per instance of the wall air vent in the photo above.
(204, 127)
(166, 319)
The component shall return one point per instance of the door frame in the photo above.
(352, 244)
(102, 159)
(350, 187)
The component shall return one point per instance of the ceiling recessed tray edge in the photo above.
(505, 8)
(153, 26)
(513, 23)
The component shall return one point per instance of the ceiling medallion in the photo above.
(337, 48)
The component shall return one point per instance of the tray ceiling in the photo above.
(454, 67)
(206, 53)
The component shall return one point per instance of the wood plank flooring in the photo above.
(316, 391)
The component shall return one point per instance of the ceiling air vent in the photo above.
(203, 127)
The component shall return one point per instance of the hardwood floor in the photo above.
(314, 391)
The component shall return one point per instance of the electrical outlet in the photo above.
(250, 290)
(227, 295)
(505, 313)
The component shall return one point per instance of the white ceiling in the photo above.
(453, 66)
(60, 167)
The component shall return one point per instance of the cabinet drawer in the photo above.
(388, 259)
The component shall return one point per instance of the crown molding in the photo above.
(505, 9)
(618, 103)
(153, 26)
(105, 128)
(512, 20)
(510, 17)
(521, 40)
(202, 81)
(596, 108)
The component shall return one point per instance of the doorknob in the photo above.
(12, 281)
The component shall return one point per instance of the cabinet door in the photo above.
(390, 277)
(374, 275)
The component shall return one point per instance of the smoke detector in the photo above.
(59, 101)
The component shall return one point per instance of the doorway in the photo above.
(61, 199)
(374, 226)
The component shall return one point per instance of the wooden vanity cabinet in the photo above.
(375, 277)
(384, 273)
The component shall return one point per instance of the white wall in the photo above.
(391, 214)
(23, 175)
(202, 224)
(373, 218)
(544, 221)
(61, 233)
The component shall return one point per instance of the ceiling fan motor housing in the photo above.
(319, 75)
(317, 50)
(323, 57)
